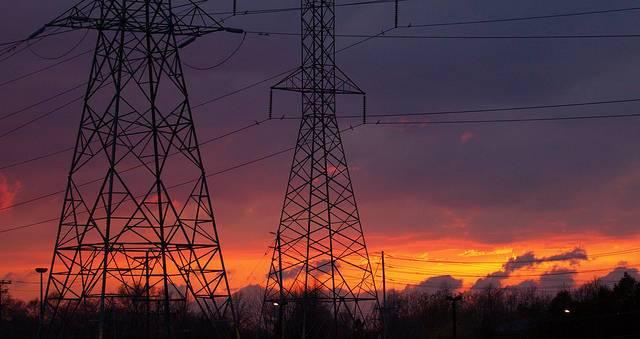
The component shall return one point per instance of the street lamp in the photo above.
(454, 300)
(42, 271)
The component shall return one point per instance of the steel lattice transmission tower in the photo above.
(320, 264)
(144, 236)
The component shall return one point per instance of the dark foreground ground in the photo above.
(594, 310)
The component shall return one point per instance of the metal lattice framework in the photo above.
(320, 259)
(142, 232)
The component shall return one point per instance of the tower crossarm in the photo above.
(142, 16)
(318, 77)
(294, 83)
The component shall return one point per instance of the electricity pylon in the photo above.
(320, 268)
(137, 131)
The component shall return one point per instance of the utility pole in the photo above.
(454, 300)
(147, 267)
(137, 129)
(41, 271)
(396, 15)
(384, 300)
(3, 290)
(147, 293)
(320, 240)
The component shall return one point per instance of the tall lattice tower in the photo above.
(320, 281)
(142, 238)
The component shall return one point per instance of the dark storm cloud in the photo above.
(552, 280)
(507, 182)
(557, 278)
(524, 260)
(510, 177)
(573, 255)
(529, 259)
(493, 280)
(618, 273)
(564, 278)
(442, 282)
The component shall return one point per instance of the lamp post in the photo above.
(454, 300)
(42, 271)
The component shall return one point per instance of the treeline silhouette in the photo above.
(593, 310)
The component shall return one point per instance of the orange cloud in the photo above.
(412, 262)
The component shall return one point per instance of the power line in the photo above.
(48, 67)
(373, 2)
(480, 274)
(223, 61)
(16, 49)
(247, 87)
(434, 261)
(36, 158)
(447, 122)
(522, 18)
(242, 89)
(250, 162)
(497, 109)
(10, 229)
(259, 82)
(461, 37)
(442, 270)
(259, 263)
(614, 253)
(434, 285)
(415, 270)
(26, 282)
(438, 261)
(510, 287)
(39, 117)
(500, 109)
(48, 113)
(489, 121)
(228, 169)
(68, 149)
(365, 39)
(465, 275)
(39, 37)
(295, 9)
(55, 96)
(13, 51)
(62, 55)
(50, 194)
(507, 120)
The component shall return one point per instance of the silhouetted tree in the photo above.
(593, 310)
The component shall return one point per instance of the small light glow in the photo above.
(275, 304)
(566, 311)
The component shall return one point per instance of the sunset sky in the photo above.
(551, 196)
